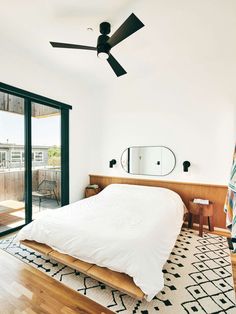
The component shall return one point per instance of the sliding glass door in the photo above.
(46, 158)
(34, 156)
(12, 168)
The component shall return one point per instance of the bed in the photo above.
(129, 230)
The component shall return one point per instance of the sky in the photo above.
(45, 131)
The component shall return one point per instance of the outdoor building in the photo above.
(12, 156)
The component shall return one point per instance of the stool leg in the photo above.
(210, 223)
(190, 220)
(200, 225)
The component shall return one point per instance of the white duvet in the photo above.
(127, 228)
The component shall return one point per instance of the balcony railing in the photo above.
(12, 182)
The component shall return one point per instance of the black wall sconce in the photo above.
(186, 165)
(112, 163)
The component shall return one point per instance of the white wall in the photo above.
(21, 71)
(179, 90)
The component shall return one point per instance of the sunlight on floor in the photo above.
(15, 219)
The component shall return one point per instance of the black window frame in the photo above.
(64, 108)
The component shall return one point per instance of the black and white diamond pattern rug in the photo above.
(198, 278)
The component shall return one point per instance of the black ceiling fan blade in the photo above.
(116, 67)
(72, 46)
(130, 26)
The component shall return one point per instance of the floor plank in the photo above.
(24, 289)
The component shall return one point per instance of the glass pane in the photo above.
(46, 158)
(12, 204)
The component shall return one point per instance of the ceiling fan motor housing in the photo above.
(105, 28)
(102, 44)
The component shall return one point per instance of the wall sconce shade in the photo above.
(186, 165)
(112, 163)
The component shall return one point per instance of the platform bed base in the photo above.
(119, 281)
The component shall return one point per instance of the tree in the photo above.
(54, 156)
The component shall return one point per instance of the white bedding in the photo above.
(127, 228)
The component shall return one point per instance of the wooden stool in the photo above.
(201, 211)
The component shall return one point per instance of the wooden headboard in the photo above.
(187, 191)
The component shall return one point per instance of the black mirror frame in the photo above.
(152, 175)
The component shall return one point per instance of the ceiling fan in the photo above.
(105, 43)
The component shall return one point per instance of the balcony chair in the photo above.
(46, 188)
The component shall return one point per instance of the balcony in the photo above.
(12, 188)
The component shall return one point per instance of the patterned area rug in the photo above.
(198, 278)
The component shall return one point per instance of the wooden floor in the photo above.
(26, 290)
(233, 258)
(8, 221)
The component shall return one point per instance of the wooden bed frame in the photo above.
(121, 281)
(116, 280)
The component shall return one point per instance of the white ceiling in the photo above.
(176, 34)
(28, 26)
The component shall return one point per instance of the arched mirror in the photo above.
(148, 160)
